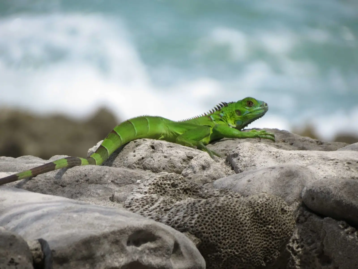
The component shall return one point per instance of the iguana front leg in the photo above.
(194, 138)
(222, 131)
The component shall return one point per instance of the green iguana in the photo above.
(225, 120)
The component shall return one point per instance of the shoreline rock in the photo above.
(316, 180)
(88, 236)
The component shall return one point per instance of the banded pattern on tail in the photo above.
(61, 163)
(121, 134)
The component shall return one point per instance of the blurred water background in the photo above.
(178, 59)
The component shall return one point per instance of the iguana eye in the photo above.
(250, 103)
(238, 112)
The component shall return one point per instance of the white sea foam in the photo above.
(271, 121)
(234, 39)
(345, 122)
(97, 66)
(241, 44)
(277, 42)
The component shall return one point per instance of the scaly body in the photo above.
(225, 120)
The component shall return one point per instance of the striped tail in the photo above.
(122, 134)
(61, 163)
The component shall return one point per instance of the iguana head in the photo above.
(241, 113)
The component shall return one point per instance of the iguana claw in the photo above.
(263, 134)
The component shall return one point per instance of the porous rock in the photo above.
(86, 236)
(322, 243)
(14, 251)
(234, 232)
(162, 156)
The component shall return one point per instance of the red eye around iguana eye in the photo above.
(250, 103)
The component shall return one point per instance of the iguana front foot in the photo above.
(262, 134)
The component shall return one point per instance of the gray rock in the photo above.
(87, 236)
(285, 181)
(335, 198)
(9, 164)
(94, 184)
(14, 251)
(353, 147)
(162, 156)
(284, 140)
(322, 243)
(290, 141)
(323, 164)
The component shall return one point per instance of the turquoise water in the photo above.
(179, 58)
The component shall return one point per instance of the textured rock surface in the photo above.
(339, 164)
(289, 141)
(14, 251)
(234, 232)
(285, 173)
(323, 243)
(85, 236)
(284, 140)
(95, 184)
(158, 156)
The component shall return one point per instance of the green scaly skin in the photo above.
(225, 120)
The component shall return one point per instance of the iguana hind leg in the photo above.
(194, 138)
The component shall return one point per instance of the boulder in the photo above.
(162, 156)
(87, 236)
(285, 181)
(333, 198)
(94, 184)
(322, 242)
(283, 140)
(353, 147)
(14, 251)
(323, 164)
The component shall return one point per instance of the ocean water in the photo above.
(178, 59)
